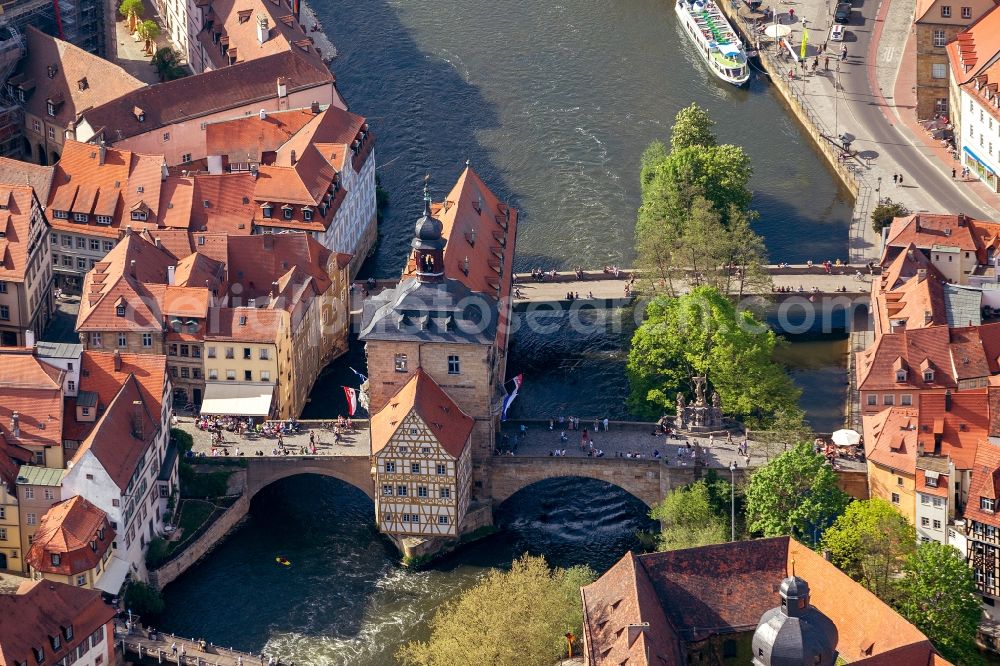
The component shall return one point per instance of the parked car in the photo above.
(837, 33)
(843, 12)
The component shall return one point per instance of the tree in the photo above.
(870, 542)
(132, 11)
(938, 595)
(794, 494)
(167, 64)
(702, 333)
(509, 618)
(721, 174)
(884, 213)
(692, 127)
(689, 519)
(786, 429)
(148, 30)
(143, 599)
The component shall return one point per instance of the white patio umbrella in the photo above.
(845, 438)
(777, 31)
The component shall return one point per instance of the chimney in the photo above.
(102, 152)
(118, 361)
(171, 274)
(947, 231)
(921, 274)
(909, 254)
(292, 158)
(263, 114)
(263, 30)
(137, 420)
(15, 425)
(962, 219)
(928, 317)
(164, 172)
(158, 242)
(131, 268)
(947, 400)
(29, 339)
(314, 107)
(282, 87)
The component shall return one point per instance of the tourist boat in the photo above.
(715, 40)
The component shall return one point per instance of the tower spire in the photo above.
(428, 242)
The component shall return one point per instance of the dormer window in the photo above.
(60, 214)
(987, 504)
(120, 310)
(928, 376)
(104, 219)
(100, 534)
(286, 212)
(56, 642)
(39, 655)
(51, 71)
(901, 375)
(82, 84)
(140, 215)
(266, 210)
(80, 217)
(50, 108)
(68, 632)
(307, 214)
(139, 114)
(93, 546)
(55, 559)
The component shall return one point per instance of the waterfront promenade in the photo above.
(142, 643)
(352, 443)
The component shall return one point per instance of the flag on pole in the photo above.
(352, 400)
(360, 376)
(510, 396)
(805, 38)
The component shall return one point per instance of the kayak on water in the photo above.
(283, 560)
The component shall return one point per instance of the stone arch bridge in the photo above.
(648, 480)
(353, 470)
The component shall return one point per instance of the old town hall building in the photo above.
(437, 355)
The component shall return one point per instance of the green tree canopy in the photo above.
(130, 8)
(884, 213)
(794, 494)
(702, 333)
(690, 518)
(692, 127)
(721, 174)
(938, 595)
(510, 618)
(870, 542)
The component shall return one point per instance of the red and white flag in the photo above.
(352, 400)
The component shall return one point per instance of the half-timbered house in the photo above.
(423, 461)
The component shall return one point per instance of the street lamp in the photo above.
(732, 501)
(878, 190)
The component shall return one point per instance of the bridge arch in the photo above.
(353, 470)
(640, 478)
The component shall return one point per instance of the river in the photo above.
(552, 103)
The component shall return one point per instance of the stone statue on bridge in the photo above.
(701, 415)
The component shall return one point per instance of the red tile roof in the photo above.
(910, 291)
(477, 228)
(124, 432)
(718, 590)
(421, 394)
(924, 230)
(41, 609)
(985, 483)
(247, 325)
(133, 274)
(212, 92)
(126, 181)
(20, 216)
(75, 530)
(891, 438)
(940, 490)
(99, 374)
(961, 428)
(974, 62)
(79, 80)
(248, 139)
(33, 389)
(16, 172)
(214, 203)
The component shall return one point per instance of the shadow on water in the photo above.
(345, 599)
(425, 114)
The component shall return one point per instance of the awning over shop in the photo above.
(238, 399)
(113, 577)
(976, 157)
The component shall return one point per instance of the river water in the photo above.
(552, 103)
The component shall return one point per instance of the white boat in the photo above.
(715, 40)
